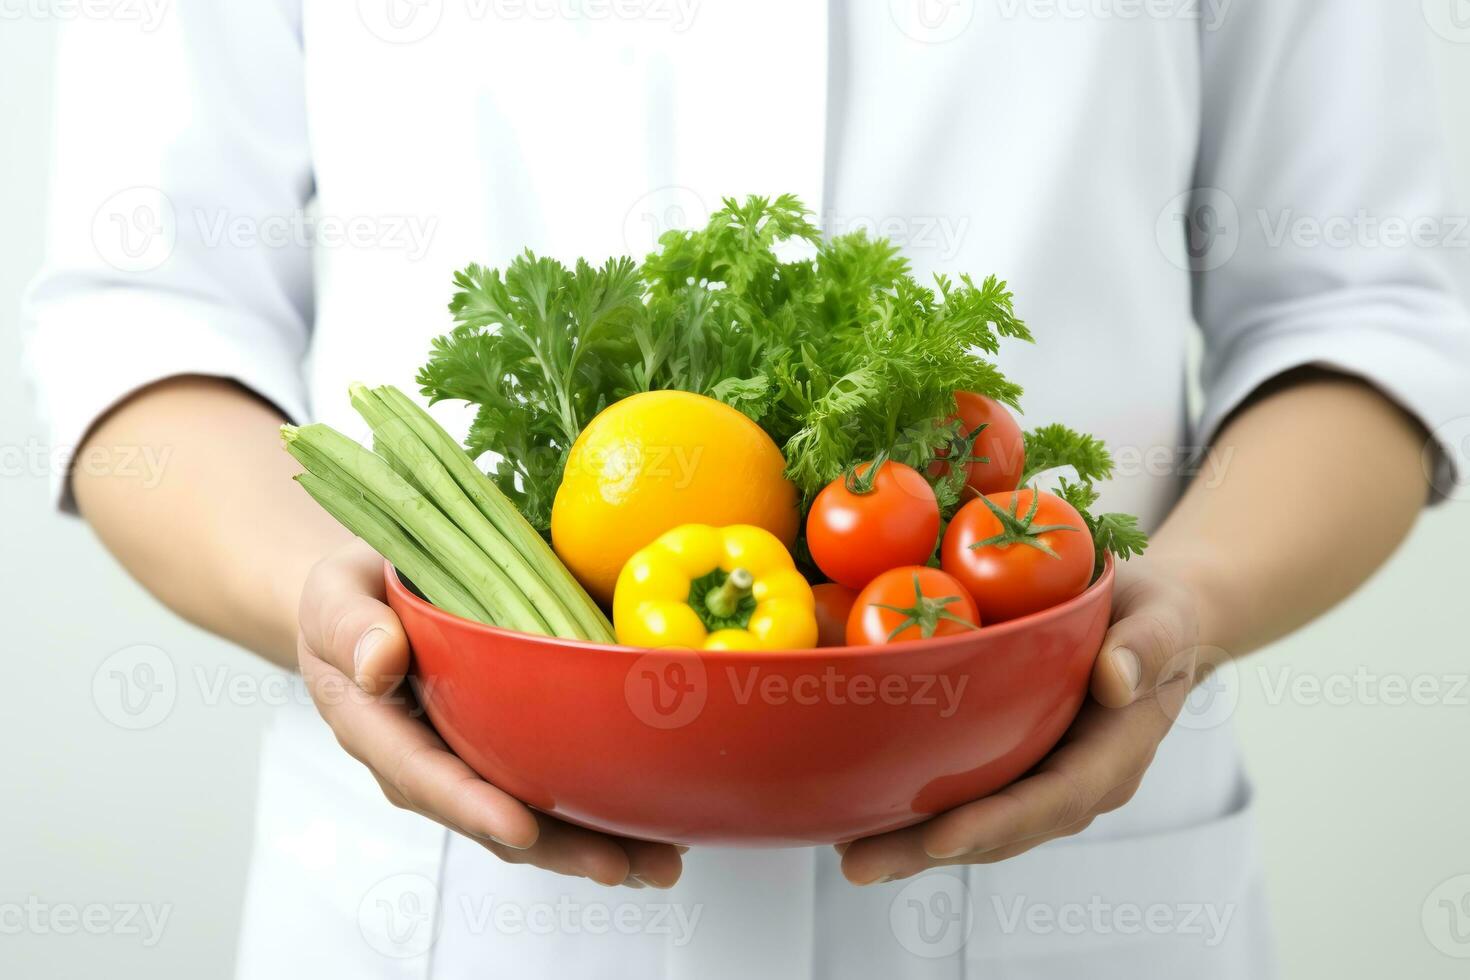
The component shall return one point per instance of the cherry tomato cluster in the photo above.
(1005, 553)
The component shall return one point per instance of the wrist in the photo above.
(1209, 585)
(286, 583)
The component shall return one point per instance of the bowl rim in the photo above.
(938, 643)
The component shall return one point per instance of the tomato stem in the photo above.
(958, 458)
(861, 484)
(724, 599)
(965, 445)
(1020, 530)
(925, 613)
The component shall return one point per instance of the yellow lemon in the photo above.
(655, 461)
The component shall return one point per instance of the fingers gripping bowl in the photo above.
(753, 748)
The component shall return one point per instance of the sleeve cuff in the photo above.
(97, 349)
(1419, 358)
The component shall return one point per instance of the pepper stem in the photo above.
(723, 600)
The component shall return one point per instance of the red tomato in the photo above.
(856, 531)
(1025, 562)
(913, 603)
(834, 606)
(1000, 442)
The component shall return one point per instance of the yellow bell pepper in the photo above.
(707, 588)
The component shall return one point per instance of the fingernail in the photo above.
(633, 881)
(682, 848)
(879, 881)
(946, 855)
(366, 644)
(506, 843)
(1125, 662)
(496, 840)
(646, 881)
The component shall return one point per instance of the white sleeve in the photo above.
(180, 175)
(1322, 228)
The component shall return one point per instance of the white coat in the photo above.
(1131, 168)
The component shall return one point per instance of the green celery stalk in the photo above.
(499, 511)
(321, 449)
(410, 456)
(365, 519)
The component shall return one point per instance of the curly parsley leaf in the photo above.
(839, 357)
(1118, 534)
(1052, 447)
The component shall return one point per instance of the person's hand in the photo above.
(1142, 676)
(353, 656)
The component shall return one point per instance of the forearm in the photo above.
(1306, 492)
(222, 536)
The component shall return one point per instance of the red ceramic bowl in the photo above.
(791, 748)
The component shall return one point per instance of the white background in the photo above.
(1364, 799)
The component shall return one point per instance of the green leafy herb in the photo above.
(1056, 446)
(1118, 534)
(540, 350)
(839, 356)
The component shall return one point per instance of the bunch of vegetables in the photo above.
(703, 435)
(422, 503)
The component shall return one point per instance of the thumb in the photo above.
(346, 623)
(1150, 647)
